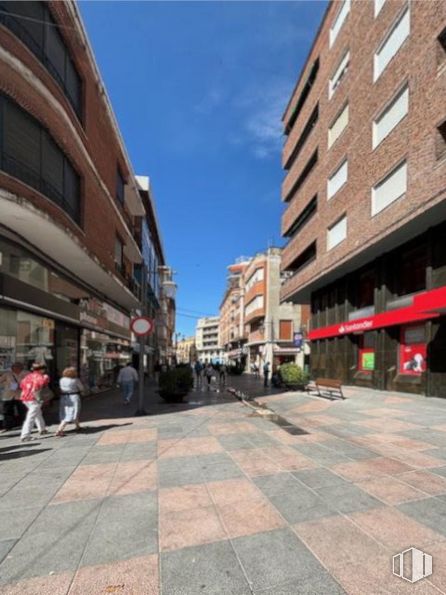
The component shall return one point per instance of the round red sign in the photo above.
(142, 325)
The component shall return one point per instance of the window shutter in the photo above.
(72, 191)
(29, 28)
(73, 86)
(55, 51)
(21, 145)
(52, 169)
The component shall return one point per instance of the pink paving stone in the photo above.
(416, 459)
(286, 457)
(360, 470)
(396, 400)
(357, 561)
(394, 529)
(146, 435)
(438, 553)
(132, 477)
(253, 462)
(187, 447)
(192, 526)
(55, 584)
(385, 412)
(232, 491)
(136, 576)
(427, 482)
(387, 425)
(125, 436)
(86, 482)
(322, 420)
(183, 498)
(248, 517)
(310, 407)
(231, 428)
(390, 490)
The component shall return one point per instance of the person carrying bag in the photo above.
(34, 394)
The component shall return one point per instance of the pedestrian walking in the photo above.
(209, 372)
(126, 380)
(198, 372)
(265, 374)
(223, 372)
(70, 400)
(14, 411)
(33, 386)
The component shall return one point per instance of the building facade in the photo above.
(70, 205)
(365, 195)
(271, 326)
(166, 316)
(186, 350)
(207, 340)
(232, 330)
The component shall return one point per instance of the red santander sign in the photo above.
(142, 325)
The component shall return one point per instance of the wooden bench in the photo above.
(327, 385)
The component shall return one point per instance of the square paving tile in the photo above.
(127, 527)
(394, 529)
(274, 557)
(318, 478)
(425, 481)
(87, 482)
(357, 453)
(126, 577)
(133, 476)
(235, 441)
(359, 470)
(56, 584)
(293, 500)
(254, 462)
(321, 454)
(390, 490)
(189, 527)
(209, 569)
(187, 447)
(14, 523)
(347, 498)
(183, 498)
(430, 511)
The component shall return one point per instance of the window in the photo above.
(337, 179)
(255, 304)
(338, 126)
(303, 259)
(339, 21)
(303, 218)
(337, 233)
(338, 75)
(378, 5)
(33, 24)
(303, 96)
(390, 189)
(391, 116)
(119, 255)
(413, 350)
(256, 277)
(366, 289)
(286, 330)
(441, 47)
(303, 137)
(440, 141)
(120, 185)
(30, 154)
(392, 43)
(303, 176)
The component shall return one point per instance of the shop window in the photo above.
(366, 353)
(440, 141)
(413, 271)
(413, 350)
(366, 289)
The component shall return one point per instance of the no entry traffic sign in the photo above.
(142, 325)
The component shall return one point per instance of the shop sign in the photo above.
(298, 339)
(366, 360)
(413, 351)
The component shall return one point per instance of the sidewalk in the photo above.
(213, 497)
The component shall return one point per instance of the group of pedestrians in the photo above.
(26, 392)
(208, 371)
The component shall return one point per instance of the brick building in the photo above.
(270, 326)
(232, 330)
(365, 194)
(71, 210)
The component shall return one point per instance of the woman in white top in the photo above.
(70, 400)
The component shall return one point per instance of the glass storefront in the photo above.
(101, 358)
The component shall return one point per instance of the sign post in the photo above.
(141, 326)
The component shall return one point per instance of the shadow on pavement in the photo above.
(7, 456)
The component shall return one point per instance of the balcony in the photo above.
(256, 336)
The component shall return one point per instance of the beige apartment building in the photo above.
(207, 340)
(365, 194)
(186, 350)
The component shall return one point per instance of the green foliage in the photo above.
(293, 375)
(174, 384)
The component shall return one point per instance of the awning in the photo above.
(426, 305)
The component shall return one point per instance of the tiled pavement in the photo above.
(211, 497)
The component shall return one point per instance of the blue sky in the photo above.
(199, 89)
